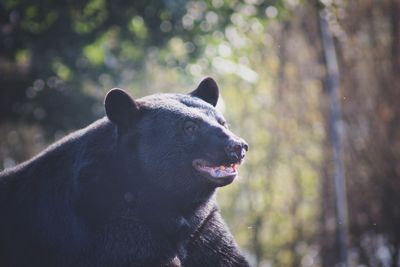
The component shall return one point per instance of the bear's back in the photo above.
(38, 197)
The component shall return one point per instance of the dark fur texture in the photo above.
(123, 191)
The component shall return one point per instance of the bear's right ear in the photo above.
(121, 109)
(208, 91)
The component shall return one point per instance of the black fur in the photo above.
(208, 91)
(123, 194)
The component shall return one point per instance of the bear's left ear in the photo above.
(207, 91)
(121, 109)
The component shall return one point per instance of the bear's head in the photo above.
(182, 143)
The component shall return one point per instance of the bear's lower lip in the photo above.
(222, 174)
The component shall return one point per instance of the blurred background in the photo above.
(309, 124)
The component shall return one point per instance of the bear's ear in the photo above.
(208, 91)
(121, 109)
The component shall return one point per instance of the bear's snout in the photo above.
(236, 149)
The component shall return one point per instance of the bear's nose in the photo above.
(237, 150)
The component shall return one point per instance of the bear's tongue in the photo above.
(220, 171)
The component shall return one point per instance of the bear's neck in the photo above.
(183, 202)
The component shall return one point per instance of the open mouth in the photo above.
(221, 174)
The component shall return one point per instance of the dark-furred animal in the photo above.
(135, 188)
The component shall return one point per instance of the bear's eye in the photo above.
(223, 123)
(190, 127)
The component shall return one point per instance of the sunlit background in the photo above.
(59, 58)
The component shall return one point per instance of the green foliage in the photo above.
(90, 17)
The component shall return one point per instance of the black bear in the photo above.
(135, 188)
